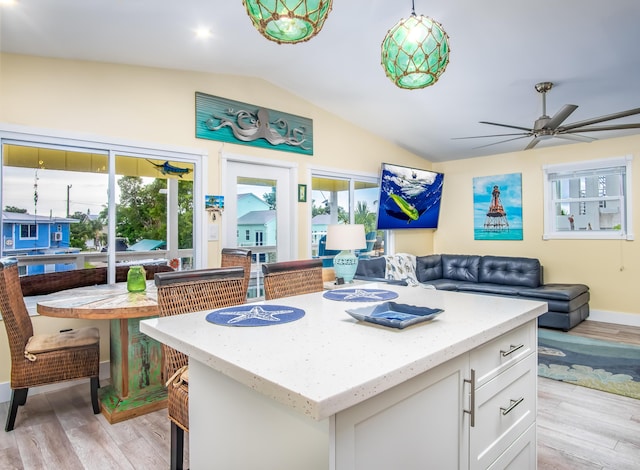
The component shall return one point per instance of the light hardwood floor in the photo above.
(578, 428)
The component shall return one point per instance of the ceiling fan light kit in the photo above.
(288, 21)
(415, 52)
(546, 127)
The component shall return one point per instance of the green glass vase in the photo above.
(136, 279)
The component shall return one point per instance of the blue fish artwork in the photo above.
(409, 198)
(167, 169)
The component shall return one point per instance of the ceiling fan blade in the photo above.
(560, 116)
(574, 137)
(491, 135)
(533, 143)
(596, 120)
(526, 129)
(501, 142)
(612, 127)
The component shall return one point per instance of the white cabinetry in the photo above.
(327, 393)
(419, 424)
(423, 423)
(503, 429)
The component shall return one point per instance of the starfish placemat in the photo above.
(255, 315)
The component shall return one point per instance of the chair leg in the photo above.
(23, 399)
(177, 446)
(95, 384)
(18, 397)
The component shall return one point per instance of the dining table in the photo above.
(137, 386)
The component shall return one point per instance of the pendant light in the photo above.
(288, 21)
(415, 52)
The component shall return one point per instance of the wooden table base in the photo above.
(116, 409)
(136, 373)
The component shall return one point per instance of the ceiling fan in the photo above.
(546, 127)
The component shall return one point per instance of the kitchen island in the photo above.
(329, 392)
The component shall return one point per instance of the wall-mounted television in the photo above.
(409, 198)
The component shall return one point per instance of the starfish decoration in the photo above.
(255, 312)
(362, 294)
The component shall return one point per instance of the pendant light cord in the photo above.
(413, 7)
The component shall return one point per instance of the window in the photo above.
(62, 185)
(28, 231)
(590, 200)
(259, 238)
(349, 199)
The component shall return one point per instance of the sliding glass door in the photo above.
(71, 207)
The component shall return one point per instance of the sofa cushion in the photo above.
(565, 306)
(372, 268)
(460, 267)
(428, 268)
(488, 288)
(555, 291)
(442, 284)
(512, 271)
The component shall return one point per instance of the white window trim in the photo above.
(551, 234)
(20, 237)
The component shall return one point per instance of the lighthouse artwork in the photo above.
(497, 207)
(496, 216)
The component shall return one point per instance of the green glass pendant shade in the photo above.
(415, 52)
(288, 21)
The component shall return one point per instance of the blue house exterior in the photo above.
(26, 234)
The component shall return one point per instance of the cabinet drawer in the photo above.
(520, 455)
(498, 355)
(505, 408)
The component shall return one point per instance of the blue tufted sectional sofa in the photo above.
(489, 275)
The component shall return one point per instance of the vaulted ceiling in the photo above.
(499, 50)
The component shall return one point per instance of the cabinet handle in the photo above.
(512, 405)
(472, 398)
(512, 350)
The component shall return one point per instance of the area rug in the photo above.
(603, 365)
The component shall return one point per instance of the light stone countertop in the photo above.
(327, 361)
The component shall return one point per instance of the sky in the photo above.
(88, 191)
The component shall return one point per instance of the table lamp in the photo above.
(345, 237)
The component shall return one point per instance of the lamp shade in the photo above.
(346, 237)
(415, 52)
(288, 21)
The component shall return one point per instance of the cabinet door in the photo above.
(417, 425)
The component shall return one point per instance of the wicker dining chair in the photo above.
(183, 292)
(238, 257)
(288, 278)
(42, 359)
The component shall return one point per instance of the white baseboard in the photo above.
(619, 318)
(5, 387)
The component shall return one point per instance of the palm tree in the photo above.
(364, 216)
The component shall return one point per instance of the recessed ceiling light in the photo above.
(8, 2)
(203, 33)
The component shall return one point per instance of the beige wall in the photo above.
(157, 106)
(611, 268)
